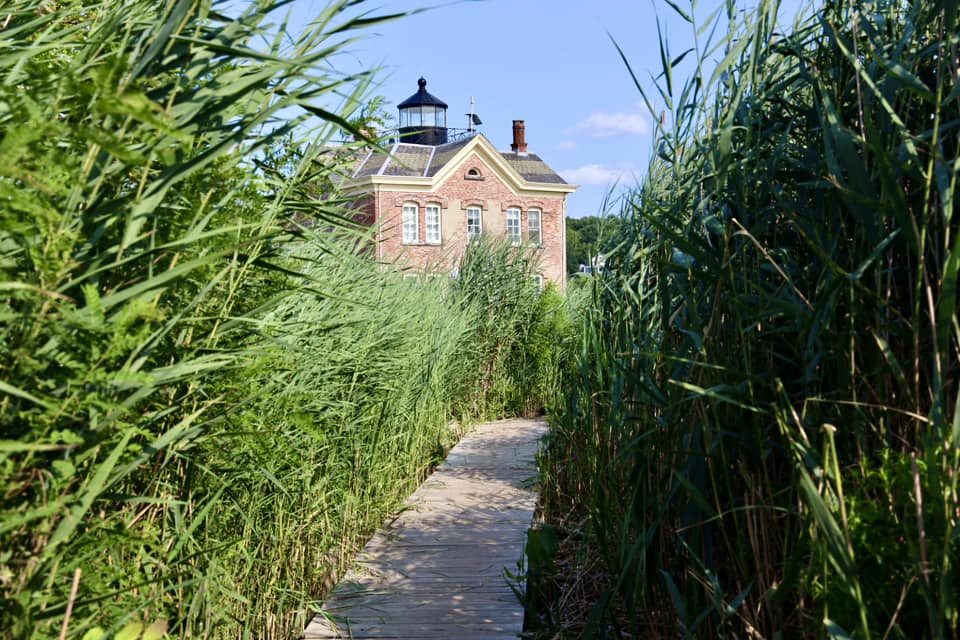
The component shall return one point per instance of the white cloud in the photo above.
(597, 174)
(606, 125)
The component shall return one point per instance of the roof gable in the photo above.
(433, 165)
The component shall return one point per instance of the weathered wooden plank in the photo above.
(404, 634)
(434, 563)
(421, 604)
(452, 554)
(476, 540)
(393, 629)
(426, 615)
(438, 569)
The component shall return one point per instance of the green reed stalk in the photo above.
(206, 407)
(791, 268)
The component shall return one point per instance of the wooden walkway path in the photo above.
(437, 569)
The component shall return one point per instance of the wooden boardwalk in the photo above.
(437, 569)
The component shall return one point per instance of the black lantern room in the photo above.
(423, 118)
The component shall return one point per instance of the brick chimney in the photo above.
(519, 140)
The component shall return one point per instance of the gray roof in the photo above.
(444, 154)
(531, 167)
(408, 160)
(426, 161)
(371, 165)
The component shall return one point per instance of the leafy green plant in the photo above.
(146, 481)
(777, 335)
(498, 278)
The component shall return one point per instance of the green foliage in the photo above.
(763, 408)
(205, 404)
(590, 236)
(512, 335)
(373, 119)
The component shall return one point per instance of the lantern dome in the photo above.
(423, 118)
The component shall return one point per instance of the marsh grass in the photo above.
(205, 405)
(763, 409)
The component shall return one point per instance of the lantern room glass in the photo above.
(423, 116)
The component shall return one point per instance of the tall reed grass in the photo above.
(763, 410)
(204, 406)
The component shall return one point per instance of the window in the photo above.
(538, 280)
(423, 116)
(433, 223)
(513, 225)
(411, 224)
(474, 224)
(533, 227)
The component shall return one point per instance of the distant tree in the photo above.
(589, 236)
(576, 252)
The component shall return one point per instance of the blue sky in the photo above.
(550, 63)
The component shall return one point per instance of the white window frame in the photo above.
(514, 227)
(535, 232)
(411, 223)
(471, 234)
(538, 280)
(433, 229)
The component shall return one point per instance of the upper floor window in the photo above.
(432, 221)
(534, 234)
(411, 223)
(513, 225)
(474, 222)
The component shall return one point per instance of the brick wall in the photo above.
(454, 196)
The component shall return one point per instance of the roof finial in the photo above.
(422, 84)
